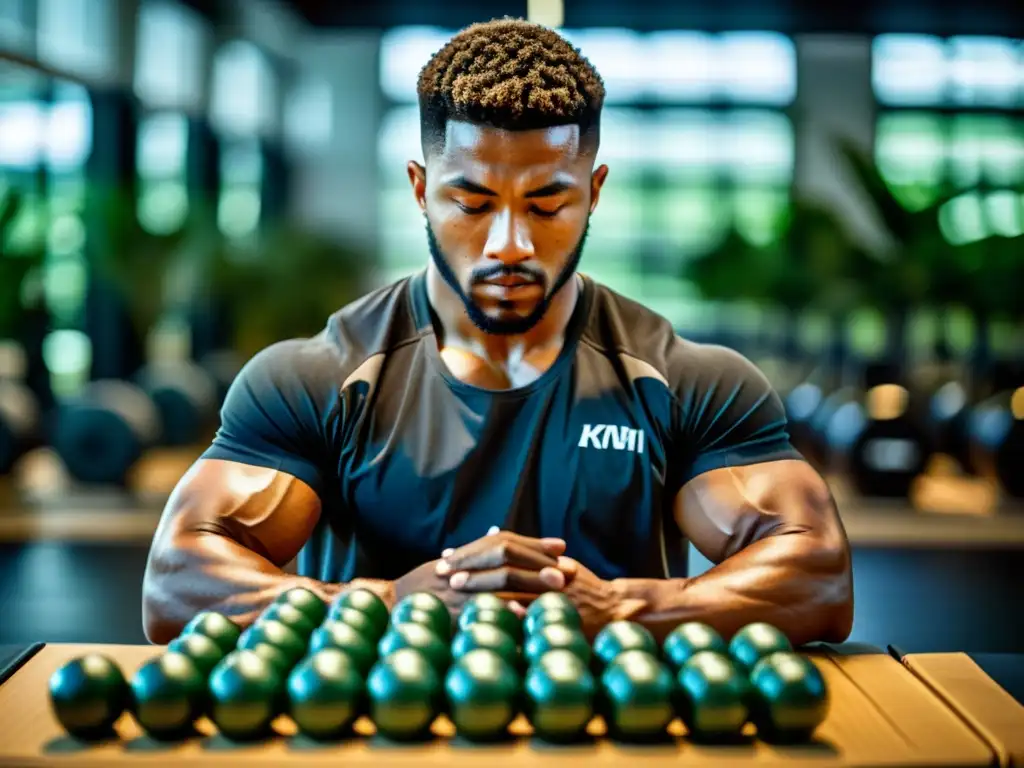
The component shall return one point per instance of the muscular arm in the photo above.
(780, 553)
(225, 535)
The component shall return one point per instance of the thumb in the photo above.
(568, 566)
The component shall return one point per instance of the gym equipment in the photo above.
(335, 634)
(325, 694)
(88, 694)
(216, 626)
(292, 617)
(755, 641)
(620, 636)
(405, 695)
(638, 696)
(559, 696)
(488, 636)
(222, 366)
(364, 601)
(437, 616)
(534, 622)
(185, 396)
(102, 431)
(713, 697)
(246, 694)
(433, 648)
(556, 636)
(689, 639)
(996, 440)
(20, 423)
(168, 696)
(305, 601)
(876, 440)
(204, 652)
(275, 633)
(503, 618)
(483, 695)
(359, 621)
(790, 699)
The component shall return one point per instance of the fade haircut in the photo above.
(509, 74)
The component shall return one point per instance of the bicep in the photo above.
(267, 511)
(724, 510)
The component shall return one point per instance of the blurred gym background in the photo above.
(839, 194)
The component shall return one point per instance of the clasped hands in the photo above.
(518, 569)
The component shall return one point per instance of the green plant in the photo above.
(921, 268)
(17, 265)
(285, 286)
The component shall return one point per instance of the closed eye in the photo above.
(545, 213)
(471, 209)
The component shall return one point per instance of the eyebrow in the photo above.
(548, 190)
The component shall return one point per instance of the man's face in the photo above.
(507, 215)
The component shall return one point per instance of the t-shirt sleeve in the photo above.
(728, 412)
(278, 411)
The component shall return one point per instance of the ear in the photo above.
(597, 180)
(418, 179)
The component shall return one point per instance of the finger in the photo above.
(485, 554)
(442, 568)
(446, 552)
(507, 578)
(517, 608)
(548, 544)
(568, 566)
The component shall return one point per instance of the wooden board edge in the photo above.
(913, 663)
(20, 661)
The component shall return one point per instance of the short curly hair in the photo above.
(510, 74)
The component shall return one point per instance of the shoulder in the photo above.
(649, 345)
(369, 327)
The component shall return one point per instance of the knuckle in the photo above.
(504, 578)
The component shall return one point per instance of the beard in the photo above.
(506, 326)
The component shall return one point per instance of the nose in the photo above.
(508, 239)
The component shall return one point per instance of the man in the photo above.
(501, 388)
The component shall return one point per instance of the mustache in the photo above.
(502, 270)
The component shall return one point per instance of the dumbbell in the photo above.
(185, 396)
(103, 430)
(20, 422)
(996, 440)
(878, 443)
(223, 366)
(948, 419)
(801, 404)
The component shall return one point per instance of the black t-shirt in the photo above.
(408, 460)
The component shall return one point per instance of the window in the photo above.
(78, 36)
(243, 97)
(161, 156)
(240, 204)
(170, 45)
(15, 28)
(308, 115)
(693, 132)
(951, 121)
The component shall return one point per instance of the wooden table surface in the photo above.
(989, 710)
(880, 714)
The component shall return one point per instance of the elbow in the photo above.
(155, 625)
(838, 598)
(159, 623)
(840, 616)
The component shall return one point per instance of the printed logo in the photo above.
(610, 436)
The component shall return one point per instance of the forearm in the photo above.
(205, 571)
(791, 581)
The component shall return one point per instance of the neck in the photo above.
(458, 330)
